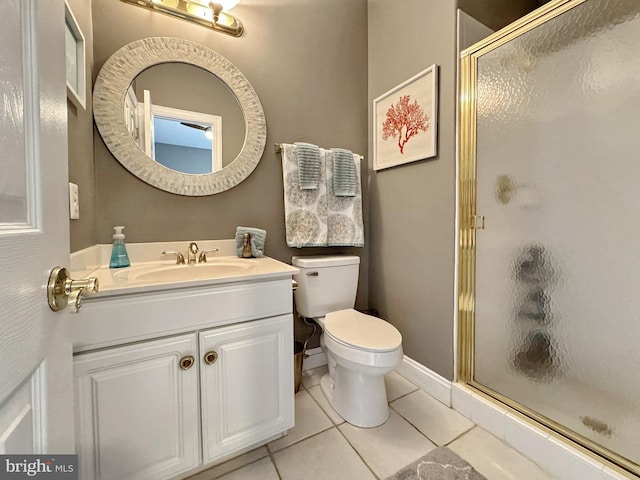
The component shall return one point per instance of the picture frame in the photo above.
(76, 71)
(405, 121)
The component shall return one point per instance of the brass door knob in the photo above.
(187, 362)
(210, 358)
(62, 290)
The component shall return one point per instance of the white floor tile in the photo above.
(312, 377)
(439, 423)
(397, 386)
(326, 456)
(260, 470)
(389, 447)
(319, 397)
(310, 419)
(231, 465)
(495, 460)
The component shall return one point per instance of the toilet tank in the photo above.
(326, 283)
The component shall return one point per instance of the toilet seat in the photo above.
(360, 331)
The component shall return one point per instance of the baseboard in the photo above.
(427, 380)
(316, 358)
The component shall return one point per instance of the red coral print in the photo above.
(404, 120)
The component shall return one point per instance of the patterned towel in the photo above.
(318, 218)
(308, 156)
(258, 239)
(305, 211)
(344, 173)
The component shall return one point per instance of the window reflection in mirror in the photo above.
(175, 113)
(184, 146)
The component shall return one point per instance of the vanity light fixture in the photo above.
(208, 130)
(209, 14)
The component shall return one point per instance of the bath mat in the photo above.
(438, 464)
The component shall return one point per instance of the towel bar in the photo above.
(279, 147)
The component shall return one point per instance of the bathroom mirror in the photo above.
(163, 67)
(184, 118)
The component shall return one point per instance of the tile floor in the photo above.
(322, 446)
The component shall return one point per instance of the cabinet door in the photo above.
(137, 410)
(247, 393)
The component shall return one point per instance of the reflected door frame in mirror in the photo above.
(110, 91)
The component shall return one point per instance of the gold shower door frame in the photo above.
(469, 224)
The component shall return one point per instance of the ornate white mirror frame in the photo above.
(110, 90)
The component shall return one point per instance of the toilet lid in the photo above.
(362, 331)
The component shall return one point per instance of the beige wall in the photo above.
(80, 137)
(306, 60)
(413, 206)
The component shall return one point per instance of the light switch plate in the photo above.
(74, 202)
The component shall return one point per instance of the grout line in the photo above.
(424, 434)
(298, 441)
(358, 453)
(410, 423)
(463, 434)
(402, 396)
(235, 469)
(273, 461)
(318, 403)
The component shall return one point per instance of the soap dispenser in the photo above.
(119, 257)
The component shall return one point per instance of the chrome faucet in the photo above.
(192, 253)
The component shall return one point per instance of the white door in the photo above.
(149, 140)
(35, 355)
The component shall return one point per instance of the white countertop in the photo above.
(126, 281)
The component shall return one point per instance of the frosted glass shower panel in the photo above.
(13, 175)
(557, 309)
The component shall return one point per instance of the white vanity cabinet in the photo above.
(145, 410)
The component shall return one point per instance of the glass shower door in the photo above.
(556, 299)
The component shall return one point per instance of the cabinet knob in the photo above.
(210, 358)
(187, 362)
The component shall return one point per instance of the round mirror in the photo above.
(184, 118)
(179, 116)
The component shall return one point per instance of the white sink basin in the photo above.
(177, 273)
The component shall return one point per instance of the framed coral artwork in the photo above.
(405, 121)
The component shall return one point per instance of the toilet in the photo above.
(360, 348)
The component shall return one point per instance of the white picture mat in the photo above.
(422, 87)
